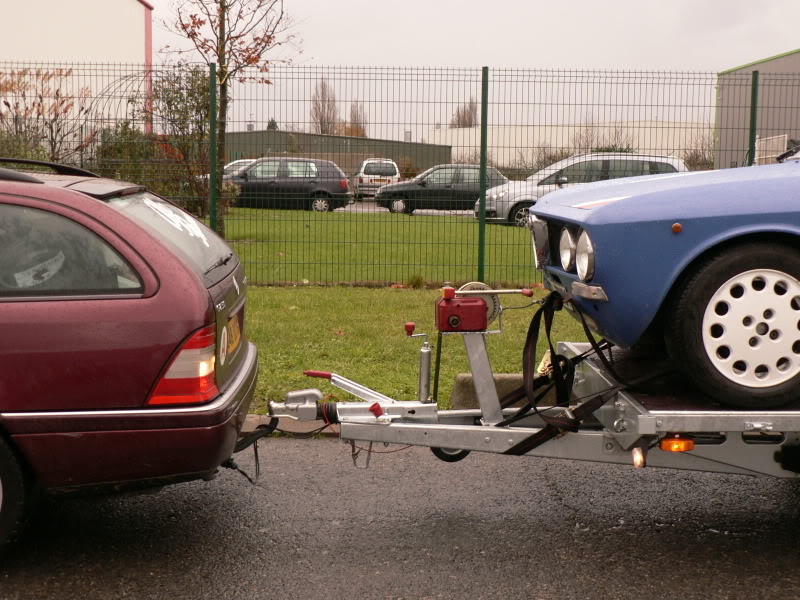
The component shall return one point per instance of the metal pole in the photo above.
(484, 164)
(212, 151)
(751, 152)
(436, 369)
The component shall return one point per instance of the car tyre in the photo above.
(13, 494)
(519, 214)
(321, 204)
(450, 455)
(734, 326)
(400, 205)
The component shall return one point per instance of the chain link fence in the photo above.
(371, 175)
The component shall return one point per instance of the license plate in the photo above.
(380, 181)
(234, 333)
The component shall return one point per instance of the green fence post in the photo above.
(484, 165)
(212, 149)
(751, 152)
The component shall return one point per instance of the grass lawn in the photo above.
(358, 333)
(295, 246)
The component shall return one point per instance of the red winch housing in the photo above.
(461, 314)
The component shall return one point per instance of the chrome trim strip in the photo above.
(540, 241)
(592, 292)
(221, 401)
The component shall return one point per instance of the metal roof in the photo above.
(759, 62)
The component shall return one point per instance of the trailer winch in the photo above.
(585, 401)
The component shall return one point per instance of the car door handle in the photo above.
(313, 181)
(273, 182)
(449, 185)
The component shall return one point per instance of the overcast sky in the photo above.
(694, 35)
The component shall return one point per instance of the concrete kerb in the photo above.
(463, 395)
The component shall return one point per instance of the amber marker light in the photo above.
(677, 228)
(676, 443)
(448, 293)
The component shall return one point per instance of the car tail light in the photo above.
(360, 180)
(344, 184)
(191, 377)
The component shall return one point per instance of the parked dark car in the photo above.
(125, 361)
(443, 187)
(297, 183)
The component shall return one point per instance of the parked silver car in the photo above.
(372, 174)
(509, 203)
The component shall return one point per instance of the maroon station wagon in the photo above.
(124, 360)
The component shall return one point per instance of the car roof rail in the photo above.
(11, 175)
(58, 168)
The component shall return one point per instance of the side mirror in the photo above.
(562, 180)
(422, 182)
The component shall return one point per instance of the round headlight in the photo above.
(584, 257)
(566, 249)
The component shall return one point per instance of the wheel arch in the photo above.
(785, 238)
(519, 203)
(27, 468)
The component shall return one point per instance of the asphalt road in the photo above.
(414, 527)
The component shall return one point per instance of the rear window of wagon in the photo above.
(192, 240)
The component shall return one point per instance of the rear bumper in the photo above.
(68, 449)
(368, 189)
(343, 199)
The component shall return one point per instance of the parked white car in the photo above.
(509, 203)
(372, 174)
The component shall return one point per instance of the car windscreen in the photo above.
(202, 249)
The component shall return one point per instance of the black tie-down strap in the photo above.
(535, 387)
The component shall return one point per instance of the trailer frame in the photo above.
(617, 424)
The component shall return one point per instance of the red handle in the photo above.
(527, 292)
(410, 326)
(321, 374)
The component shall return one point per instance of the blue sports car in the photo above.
(707, 261)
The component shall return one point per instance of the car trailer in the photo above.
(653, 420)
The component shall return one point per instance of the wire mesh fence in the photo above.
(373, 175)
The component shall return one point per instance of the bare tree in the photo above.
(466, 115)
(40, 114)
(357, 126)
(535, 159)
(324, 111)
(594, 137)
(236, 35)
(700, 154)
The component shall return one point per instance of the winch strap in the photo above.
(580, 412)
(596, 347)
(531, 383)
(550, 431)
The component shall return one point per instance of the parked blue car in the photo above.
(707, 261)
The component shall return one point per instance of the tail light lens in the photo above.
(191, 377)
(360, 180)
(344, 184)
